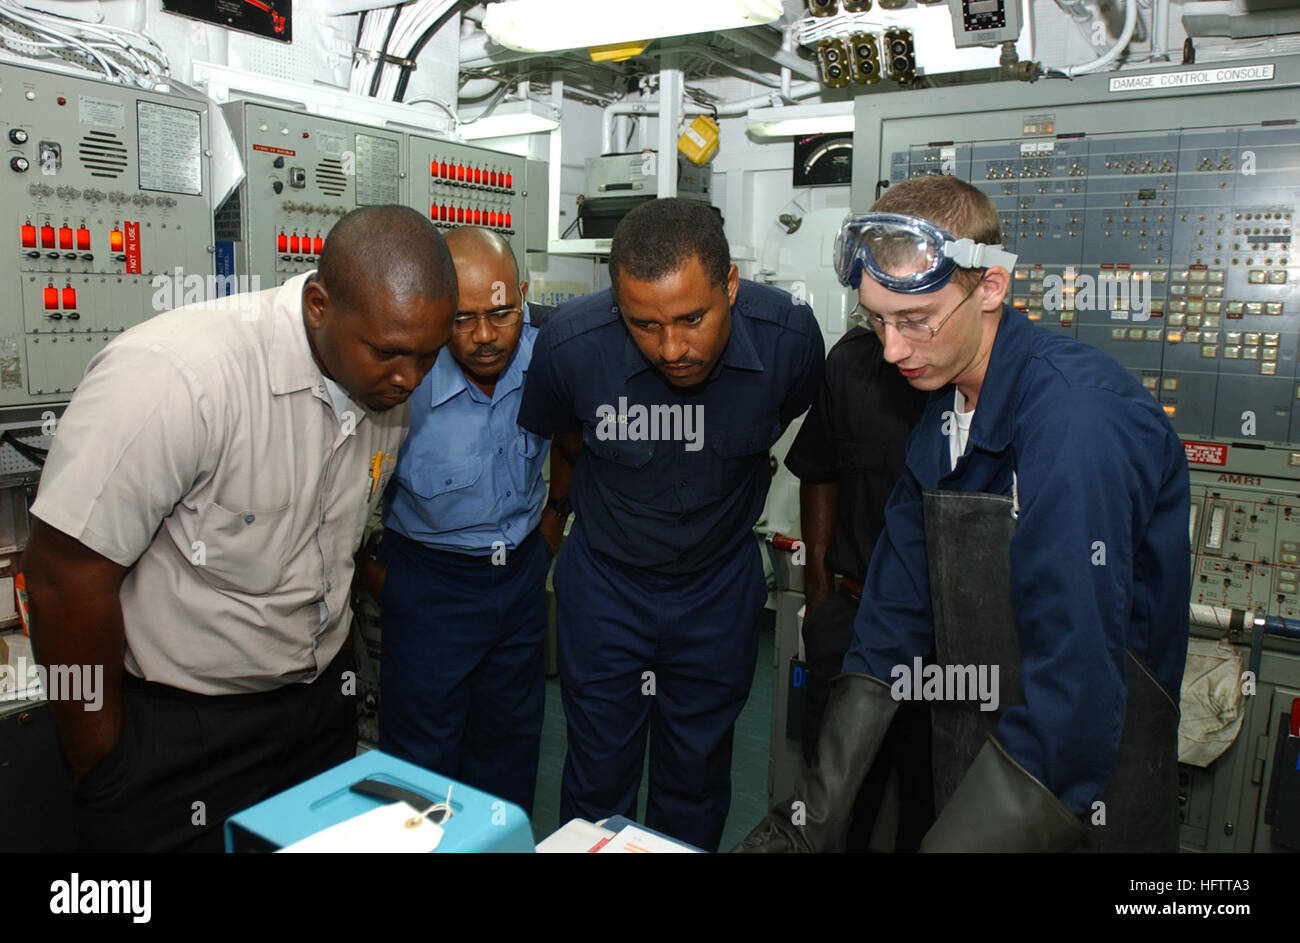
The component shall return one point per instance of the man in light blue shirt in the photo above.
(463, 599)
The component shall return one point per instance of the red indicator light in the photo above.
(51, 298)
(317, 243)
(460, 172)
(510, 180)
(47, 237)
(115, 241)
(433, 168)
(460, 214)
(83, 238)
(493, 179)
(65, 237)
(29, 236)
(508, 223)
(69, 298)
(478, 175)
(282, 243)
(293, 244)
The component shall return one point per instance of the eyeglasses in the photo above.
(915, 331)
(464, 323)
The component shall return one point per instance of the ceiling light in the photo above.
(522, 117)
(795, 120)
(547, 25)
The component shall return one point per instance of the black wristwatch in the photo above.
(561, 506)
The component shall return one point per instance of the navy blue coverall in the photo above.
(1099, 556)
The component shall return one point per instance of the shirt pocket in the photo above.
(448, 492)
(733, 452)
(530, 452)
(622, 469)
(244, 549)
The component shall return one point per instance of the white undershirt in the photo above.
(961, 427)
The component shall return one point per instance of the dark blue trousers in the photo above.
(671, 655)
(462, 676)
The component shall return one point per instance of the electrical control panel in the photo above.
(1159, 229)
(107, 190)
(459, 185)
(303, 173)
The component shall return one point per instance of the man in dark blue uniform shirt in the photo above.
(672, 385)
(1037, 539)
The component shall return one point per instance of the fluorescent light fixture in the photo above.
(512, 118)
(794, 120)
(547, 25)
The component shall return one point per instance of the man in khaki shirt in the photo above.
(196, 524)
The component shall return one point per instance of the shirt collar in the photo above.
(291, 365)
(739, 353)
(991, 428)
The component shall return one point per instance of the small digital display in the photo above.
(984, 6)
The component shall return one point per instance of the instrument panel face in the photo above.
(107, 190)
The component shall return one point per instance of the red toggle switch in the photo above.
(29, 236)
(444, 169)
(294, 248)
(493, 179)
(65, 237)
(47, 236)
(509, 180)
(478, 217)
(282, 243)
(507, 221)
(492, 217)
(83, 238)
(433, 168)
(51, 298)
(460, 214)
(478, 175)
(115, 241)
(317, 244)
(69, 297)
(460, 172)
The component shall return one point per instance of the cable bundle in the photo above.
(120, 54)
(388, 42)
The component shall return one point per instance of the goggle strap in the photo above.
(967, 253)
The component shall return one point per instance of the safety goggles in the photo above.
(908, 254)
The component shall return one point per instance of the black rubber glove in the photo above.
(817, 816)
(999, 806)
